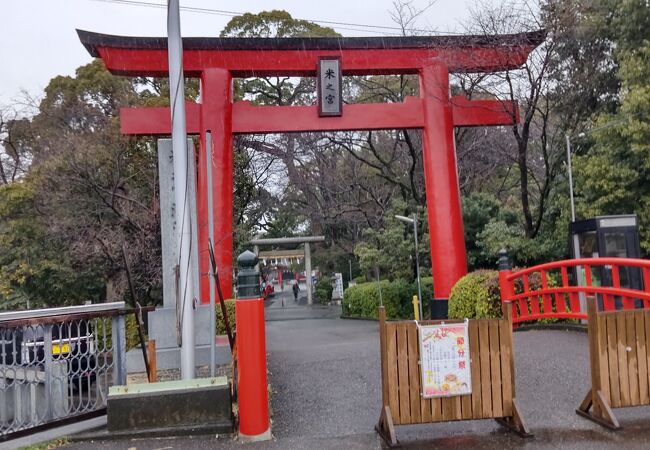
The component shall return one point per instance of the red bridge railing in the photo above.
(554, 290)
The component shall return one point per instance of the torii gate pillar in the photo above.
(216, 117)
(446, 234)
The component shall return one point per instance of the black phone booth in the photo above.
(605, 237)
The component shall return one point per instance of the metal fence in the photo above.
(57, 364)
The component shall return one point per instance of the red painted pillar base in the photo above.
(251, 359)
(446, 235)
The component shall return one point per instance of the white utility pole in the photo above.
(213, 312)
(568, 160)
(182, 213)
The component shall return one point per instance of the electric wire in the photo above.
(388, 30)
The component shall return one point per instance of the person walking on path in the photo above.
(296, 289)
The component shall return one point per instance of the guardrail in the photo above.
(57, 364)
(558, 290)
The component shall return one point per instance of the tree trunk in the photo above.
(116, 286)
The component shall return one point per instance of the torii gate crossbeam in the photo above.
(217, 60)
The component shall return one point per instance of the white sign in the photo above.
(445, 360)
(330, 101)
(337, 293)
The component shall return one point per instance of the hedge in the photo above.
(362, 300)
(360, 279)
(476, 296)
(230, 310)
(103, 330)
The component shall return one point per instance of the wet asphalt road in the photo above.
(325, 377)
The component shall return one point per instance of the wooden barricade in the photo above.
(492, 371)
(619, 356)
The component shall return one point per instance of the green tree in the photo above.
(391, 248)
(614, 177)
(92, 190)
(35, 270)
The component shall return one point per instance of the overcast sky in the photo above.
(38, 39)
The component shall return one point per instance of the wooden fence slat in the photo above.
(475, 367)
(632, 360)
(623, 380)
(425, 403)
(466, 400)
(414, 372)
(505, 345)
(601, 325)
(436, 409)
(403, 374)
(425, 409)
(466, 406)
(592, 337)
(484, 349)
(646, 320)
(642, 357)
(447, 408)
(495, 369)
(391, 360)
(382, 354)
(458, 407)
(612, 358)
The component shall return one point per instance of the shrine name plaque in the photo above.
(330, 98)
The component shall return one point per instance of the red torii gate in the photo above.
(217, 60)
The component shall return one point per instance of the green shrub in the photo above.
(131, 331)
(363, 300)
(360, 279)
(230, 310)
(476, 296)
(103, 330)
(324, 290)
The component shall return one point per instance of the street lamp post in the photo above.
(414, 222)
(568, 159)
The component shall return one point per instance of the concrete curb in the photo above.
(55, 433)
(368, 319)
(105, 435)
(554, 326)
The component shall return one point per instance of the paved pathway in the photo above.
(326, 393)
